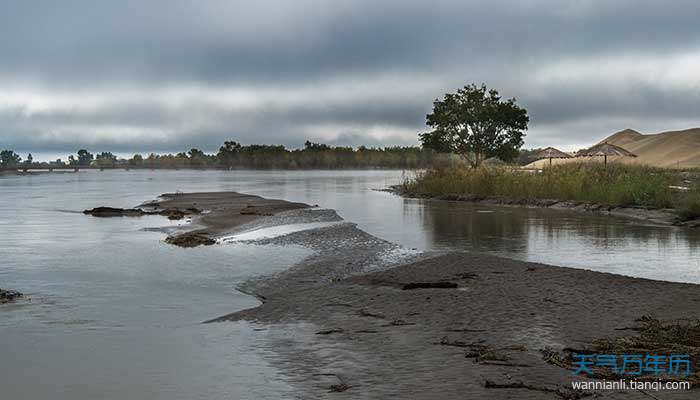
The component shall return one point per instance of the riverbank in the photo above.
(667, 217)
(654, 195)
(392, 322)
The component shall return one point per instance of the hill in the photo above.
(672, 149)
(665, 149)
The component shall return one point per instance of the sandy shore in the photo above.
(224, 211)
(497, 329)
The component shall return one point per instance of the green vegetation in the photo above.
(616, 185)
(9, 158)
(652, 337)
(476, 124)
(233, 155)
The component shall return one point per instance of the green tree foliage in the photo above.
(323, 156)
(84, 158)
(233, 155)
(197, 159)
(229, 154)
(9, 158)
(106, 160)
(136, 161)
(476, 124)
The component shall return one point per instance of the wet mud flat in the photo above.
(371, 319)
(494, 336)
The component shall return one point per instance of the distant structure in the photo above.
(605, 149)
(551, 152)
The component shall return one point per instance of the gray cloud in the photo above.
(168, 74)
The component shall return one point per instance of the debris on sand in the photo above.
(190, 240)
(8, 296)
(363, 312)
(445, 341)
(249, 210)
(655, 337)
(466, 275)
(429, 285)
(399, 322)
(330, 331)
(253, 210)
(339, 388)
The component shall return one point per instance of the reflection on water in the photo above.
(565, 238)
(115, 313)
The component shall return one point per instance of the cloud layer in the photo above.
(169, 74)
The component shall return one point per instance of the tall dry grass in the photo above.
(614, 185)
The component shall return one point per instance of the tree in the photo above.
(9, 158)
(197, 158)
(476, 124)
(30, 159)
(228, 153)
(104, 159)
(136, 160)
(84, 157)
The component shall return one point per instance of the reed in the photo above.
(617, 185)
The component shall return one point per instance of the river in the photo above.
(115, 313)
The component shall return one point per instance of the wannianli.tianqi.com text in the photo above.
(623, 384)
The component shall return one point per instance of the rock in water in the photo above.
(172, 214)
(7, 296)
(108, 212)
(190, 240)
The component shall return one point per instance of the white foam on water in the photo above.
(276, 231)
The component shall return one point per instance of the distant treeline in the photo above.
(233, 155)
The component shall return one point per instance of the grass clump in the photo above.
(654, 337)
(617, 185)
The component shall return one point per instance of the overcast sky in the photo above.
(167, 75)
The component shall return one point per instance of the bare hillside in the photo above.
(665, 149)
(670, 149)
